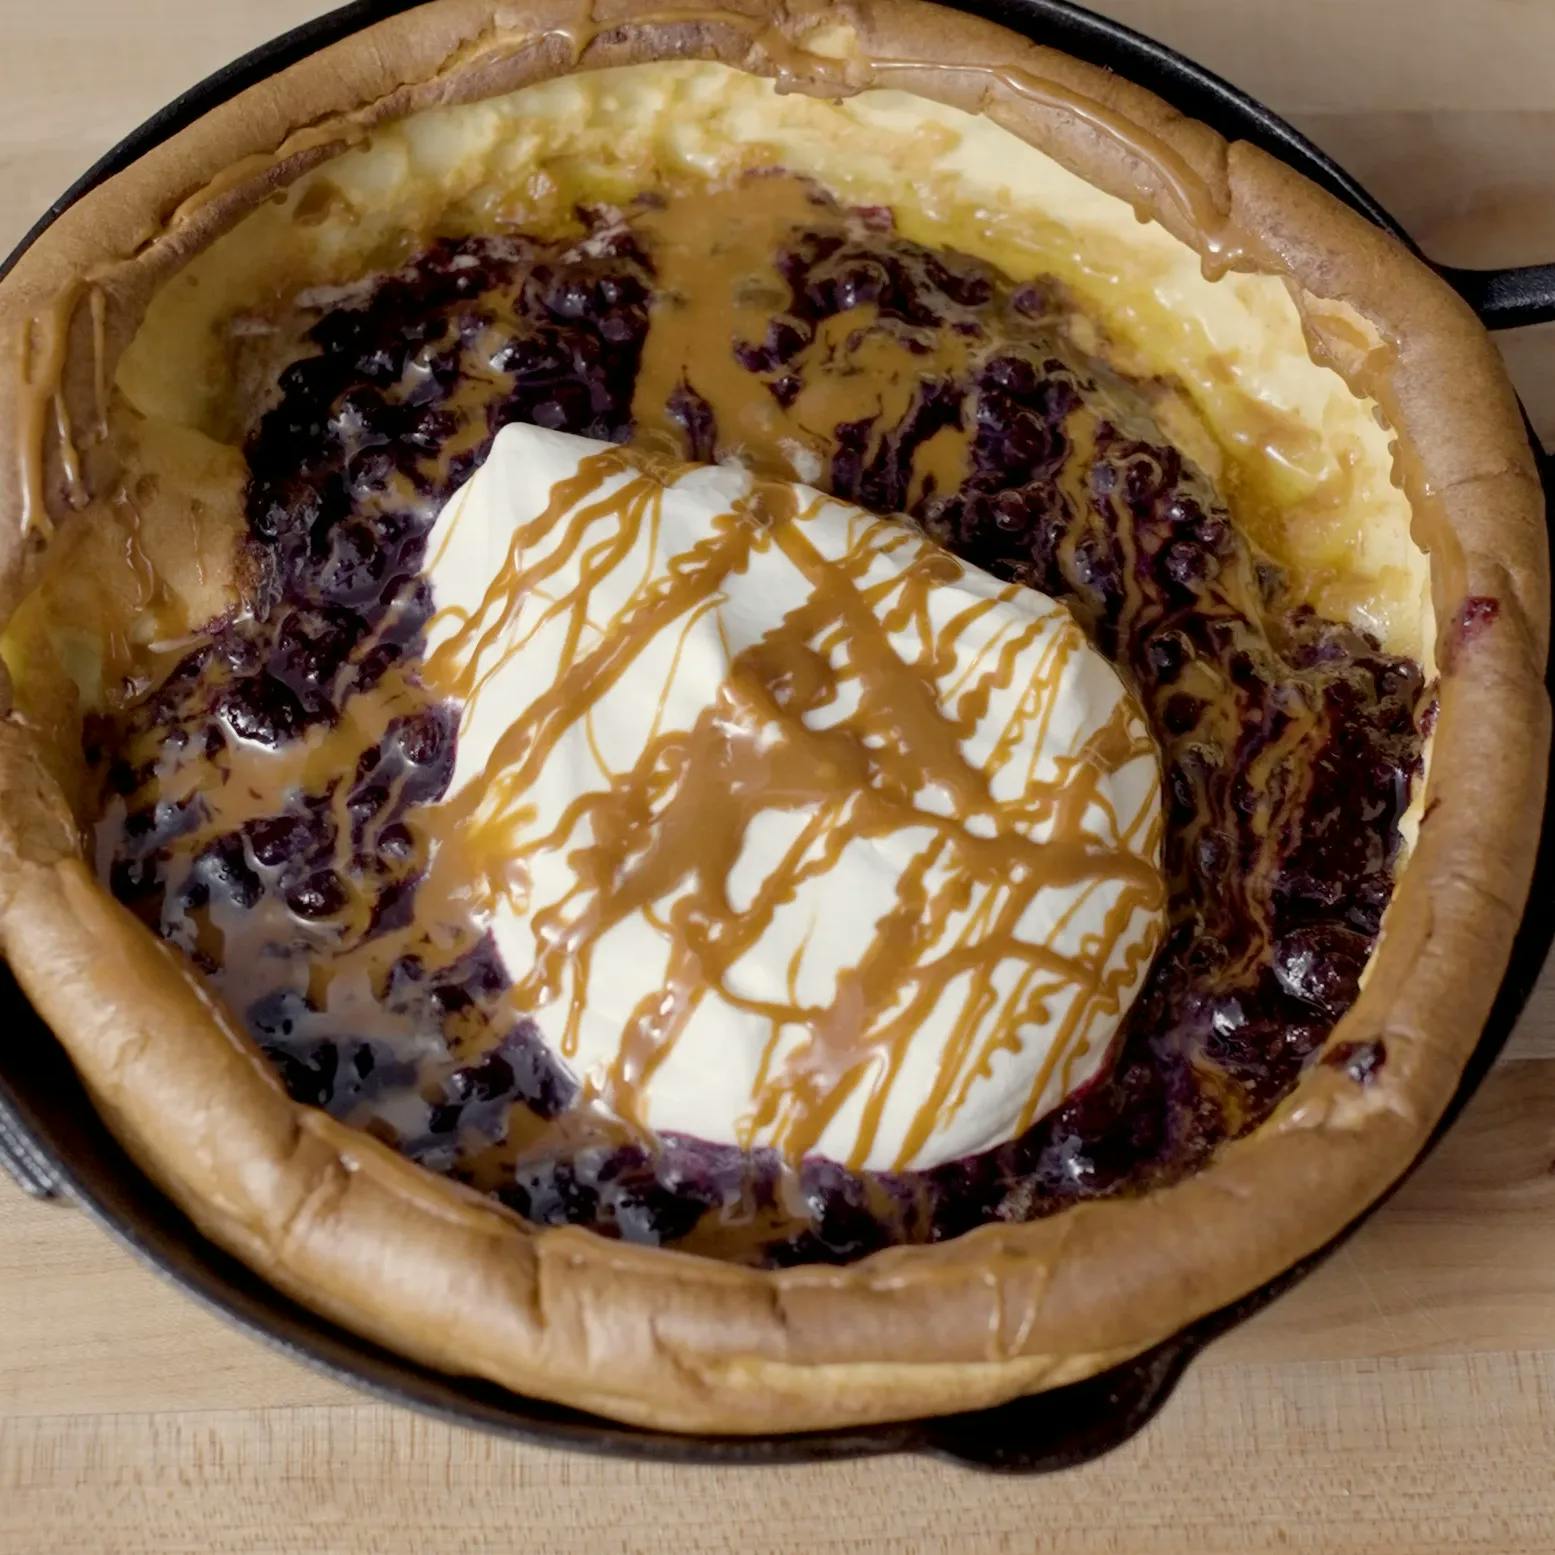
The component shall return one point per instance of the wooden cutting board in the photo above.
(1401, 1401)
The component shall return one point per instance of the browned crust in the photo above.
(662, 1338)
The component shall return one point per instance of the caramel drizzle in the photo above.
(672, 826)
(715, 249)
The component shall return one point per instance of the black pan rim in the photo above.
(1043, 1432)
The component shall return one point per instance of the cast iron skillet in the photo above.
(56, 1146)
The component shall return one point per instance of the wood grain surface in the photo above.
(1401, 1401)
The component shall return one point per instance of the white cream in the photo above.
(1023, 1060)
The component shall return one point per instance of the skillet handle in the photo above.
(1506, 299)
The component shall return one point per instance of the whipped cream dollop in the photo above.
(791, 829)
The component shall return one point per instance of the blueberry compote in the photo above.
(818, 340)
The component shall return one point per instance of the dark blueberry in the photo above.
(785, 390)
(1055, 398)
(424, 738)
(310, 648)
(1143, 480)
(530, 358)
(1188, 564)
(1165, 655)
(429, 777)
(694, 416)
(1214, 534)
(552, 1194)
(138, 824)
(383, 363)
(539, 1077)
(1321, 965)
(277, 1015)
(281, 839)
(1270, 580)
(787, 337)
(570, 297)
(395, 843)
(321, 894)
(354, 565)
(1183, 793)
(1368, 901)
(307, 1071)
(241, 655)
(394, 907)
(1213, 854)
(861, 282)
(841, 1221)
(488, 1080)
(962, 284)
(1181, 713)
(131, 879)
(123, 779)
(619, 328)
(443, 1117)
(653, 1216)
(1011, 375)
(431, 429)
(364, 802)
(261, 710)
(406, 977)
(373, 665)
(1245, 671)
(1029, 442)
(1010, 511)
(566, 408)
(225, 869)
(1035, 299)
(452, 999)
(370, 471)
